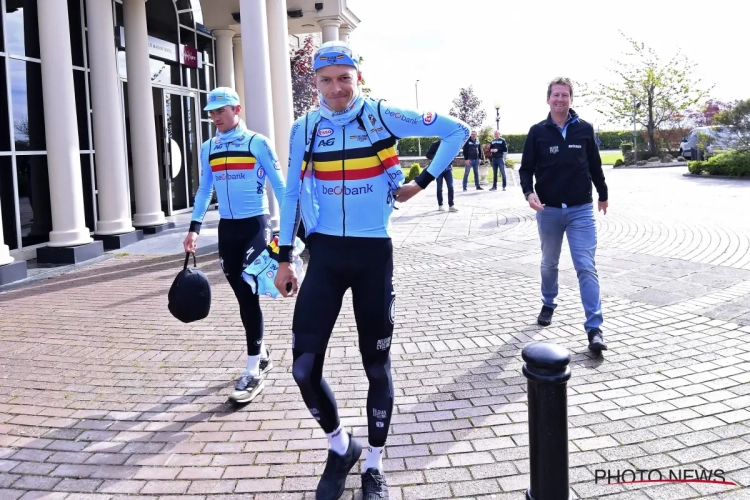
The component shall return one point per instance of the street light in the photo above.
(497, 114)
(419, 139)
(636, 105)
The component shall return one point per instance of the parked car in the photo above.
(709, 140)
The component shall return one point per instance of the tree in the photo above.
(468, 108)
(362, 85)
(663, 89)
(304, 93)
(737, 117)
(704, 115)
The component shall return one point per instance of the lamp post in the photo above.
(419, 139)
(497, 114)
(636, 105)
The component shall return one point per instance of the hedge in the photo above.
(408, 146)
(735, 164)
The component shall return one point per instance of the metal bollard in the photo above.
(546, 368)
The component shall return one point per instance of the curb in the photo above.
(730, 177)
(658, 165)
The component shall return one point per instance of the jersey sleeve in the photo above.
(290, 203)
(409, 123)
(205, 190)
(262, 150)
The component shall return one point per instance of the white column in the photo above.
(142, 126)
(5, 257)
(258, 76)
(63, 150)
(239, 73)
(111, 170)
(330, 28)
(224, 58)
(281, 78)
(344, 32)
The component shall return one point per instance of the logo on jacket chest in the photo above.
(575, 146)
(553, 150)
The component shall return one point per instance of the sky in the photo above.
(509, 51)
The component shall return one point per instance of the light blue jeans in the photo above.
(580, 227)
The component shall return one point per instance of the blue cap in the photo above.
(334, 52)
(220, 97)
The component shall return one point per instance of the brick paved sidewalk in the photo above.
(104, 395)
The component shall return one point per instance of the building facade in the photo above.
(101, 116)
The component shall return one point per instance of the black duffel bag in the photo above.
(190, 294)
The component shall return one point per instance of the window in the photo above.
(5, 136)
(7, 197)
(76, 31)
(2, 34)
(82, 109)
(28, 106)
(22, 30)
(35, 211)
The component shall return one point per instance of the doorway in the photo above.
(178, 141)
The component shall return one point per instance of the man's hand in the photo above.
(284, 277)
(191, 242)
(534, 202)
(406, 192)
(603, 206)
(467, 163)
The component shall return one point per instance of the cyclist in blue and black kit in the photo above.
(237, 163)
(343, 179)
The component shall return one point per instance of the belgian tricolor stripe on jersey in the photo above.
(360, 163)
(231, 160)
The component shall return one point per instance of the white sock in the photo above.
(374, 458)
(253, 365)
(338, 441)
(253, 362)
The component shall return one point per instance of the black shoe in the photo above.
(545, 317)
(493, 188)
(333, 480)
(373, 485)
(480, 188)
(596, 340)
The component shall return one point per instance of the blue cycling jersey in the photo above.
(237, 164)
(352, 170)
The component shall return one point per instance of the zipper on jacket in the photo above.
(226, 181)
(343, 181)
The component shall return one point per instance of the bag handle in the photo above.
(187, 260)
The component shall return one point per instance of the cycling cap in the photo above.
(335, 52)
(220, 97)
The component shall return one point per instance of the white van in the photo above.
(712, 140)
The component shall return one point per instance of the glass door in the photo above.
(181, 146)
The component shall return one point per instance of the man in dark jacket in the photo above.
(498, 149)
(447, 175)
(472, 154)
(562, 154)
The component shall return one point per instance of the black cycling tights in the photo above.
(240, 242)
(366, 266)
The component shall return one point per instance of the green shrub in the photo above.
(734, 164)
(510, 163)
(619, 162)
(414, 172)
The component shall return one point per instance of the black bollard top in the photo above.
(546, 356)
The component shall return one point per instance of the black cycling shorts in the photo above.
(241, 241)
(336, 264)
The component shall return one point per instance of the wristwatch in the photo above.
(526, 195)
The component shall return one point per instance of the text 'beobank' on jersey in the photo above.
(352, 183)
(238, 170)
